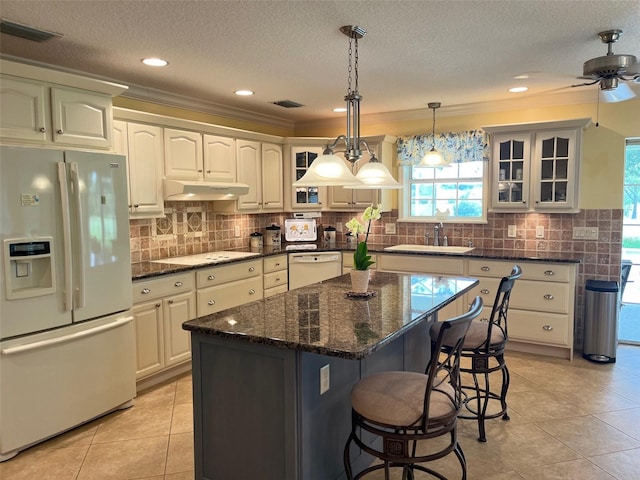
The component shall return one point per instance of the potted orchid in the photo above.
(361, 258)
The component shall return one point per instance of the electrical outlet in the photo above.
(540, 231)
(236, 231)
(389, 228)
(511, 231)
(592, 233)
(324, 379)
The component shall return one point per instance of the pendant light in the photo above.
(331, 170)
(433, 157)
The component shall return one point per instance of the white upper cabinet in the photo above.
(145, 160)
(183, 156)
(536, 167)
(354, 199)
(299, 161)
(36, 112)
(260, 166)
(219, 158)
(272, 179)
(25, 109)
(81, 118)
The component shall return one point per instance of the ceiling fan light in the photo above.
(375, 175)
(620, 94)
(326, 171)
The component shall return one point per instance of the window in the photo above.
(457, 192)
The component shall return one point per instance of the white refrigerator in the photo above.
(67, 346)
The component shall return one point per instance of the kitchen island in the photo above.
(258, 371)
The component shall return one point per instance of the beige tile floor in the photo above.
(569, 420)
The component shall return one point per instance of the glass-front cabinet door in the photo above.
(512, 164)
(305, 197)
(556, 174)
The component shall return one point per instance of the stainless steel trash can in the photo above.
(601, 308)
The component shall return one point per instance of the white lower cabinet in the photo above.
(541, 308)
(276, 274)
(228, 286)
(432, 265)
(160, 308)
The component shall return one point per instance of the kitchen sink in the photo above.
(428, 248)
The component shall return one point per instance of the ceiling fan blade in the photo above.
(585, 84)
(620, 94)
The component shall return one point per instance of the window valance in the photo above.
(455, 147)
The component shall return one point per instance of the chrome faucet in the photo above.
(436, 234)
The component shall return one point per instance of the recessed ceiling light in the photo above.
(243, 93)
(340, 110)
(155, 62)
(518, 89)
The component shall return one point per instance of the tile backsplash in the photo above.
(193, 227)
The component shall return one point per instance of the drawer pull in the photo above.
(211, 302)
(485, 269)
(548, 296)
(277, 264)
(145, 291)
(178, 284)
(550, 273)
(547, 328)
(277, 279)
(252, 269)
(158, 305)
(484, 291)
(211, 277)
(252, 291)
(170, 302)
(484, 319)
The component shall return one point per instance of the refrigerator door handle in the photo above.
(75, 181)
(66, 338)
(66, 234)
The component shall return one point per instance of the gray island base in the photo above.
(258, 409)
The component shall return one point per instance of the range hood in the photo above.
(191, 190)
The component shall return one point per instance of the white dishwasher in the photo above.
(306, 268)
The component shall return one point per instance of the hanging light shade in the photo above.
(433, 157)
(331, 170)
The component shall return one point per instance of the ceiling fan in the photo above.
(608, 71)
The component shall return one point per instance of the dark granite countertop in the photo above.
(321, 319)
(150, 269)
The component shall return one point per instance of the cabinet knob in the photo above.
(277, 279)
(60, 132)
(252, 269)
(211, 277)
(547, 328)
(157, 305)
(484, 319)
(484, 291)
(43, 129)
(208, 171)
(548, 296)
(277, 264)
(485, 269)
(252, 291)
(200, 171)
(211, 302)
(170, 302)
(549, 272)
(136, 205)
(178, 284)
(145, 291)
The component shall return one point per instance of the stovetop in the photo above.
(206, 258)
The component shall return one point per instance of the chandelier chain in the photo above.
(349, 70)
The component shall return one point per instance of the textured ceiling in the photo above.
(414, 52)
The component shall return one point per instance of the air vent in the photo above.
(23, 31)
(288, 104)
